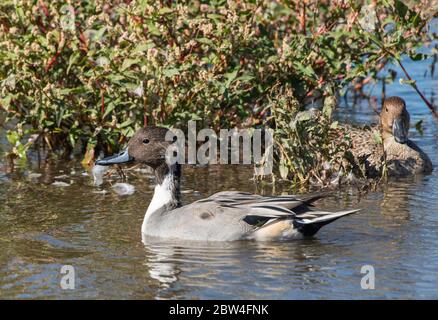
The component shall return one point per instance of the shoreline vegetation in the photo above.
(82, 77)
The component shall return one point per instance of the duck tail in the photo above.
(309, 199)
(310, 222)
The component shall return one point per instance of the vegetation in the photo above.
(88, 73)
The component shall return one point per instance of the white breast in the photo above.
(162, 196)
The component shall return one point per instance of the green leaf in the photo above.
(284, 171)
(327, 109)
(65, 91)
(165, 10)
(401, 8)
(409, 82)
(307, 70)
(72, 139)
(152, 29)
(109, 108)
(143, 47)
(419, 56)
(72, 60)
(169, 73)
(215, 16)
(13, 137)
(20, 14)
(125, 124)
(6, 101)
(377, 137)
(99, 34)
(115, 77)
(419, 127)
(245, 78)
(128, 63)
(230, 77)
(205, 41)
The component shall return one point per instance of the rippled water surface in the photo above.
(43, 227)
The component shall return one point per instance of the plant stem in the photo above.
(414, 85)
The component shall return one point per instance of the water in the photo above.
(43, 227)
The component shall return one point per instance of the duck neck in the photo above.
(167, 191)
(386, 136)
(166, 194)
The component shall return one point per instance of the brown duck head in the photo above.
(394, 119)
(148, 145)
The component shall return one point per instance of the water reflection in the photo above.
(160, 264)
(255, 267)
(399, 195)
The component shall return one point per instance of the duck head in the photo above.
(394, 119)
(148, 146)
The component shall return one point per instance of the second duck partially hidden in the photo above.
(401, 155)
(224, 216)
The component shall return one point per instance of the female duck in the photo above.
(401, 155)
(224, 216)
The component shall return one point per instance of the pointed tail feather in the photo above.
(309, 199)
(309, 223)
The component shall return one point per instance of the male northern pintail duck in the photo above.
(225, 216)
(401, 155)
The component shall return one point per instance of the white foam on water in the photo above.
(98, 173)
(60, 184)
(123, 189)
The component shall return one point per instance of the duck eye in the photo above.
(145, 141)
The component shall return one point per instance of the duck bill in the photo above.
(122, 157)
(399, 131)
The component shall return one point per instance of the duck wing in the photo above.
(245, 199)
(234, 215)
(367, 148)
(207, 220)
(265, 211)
